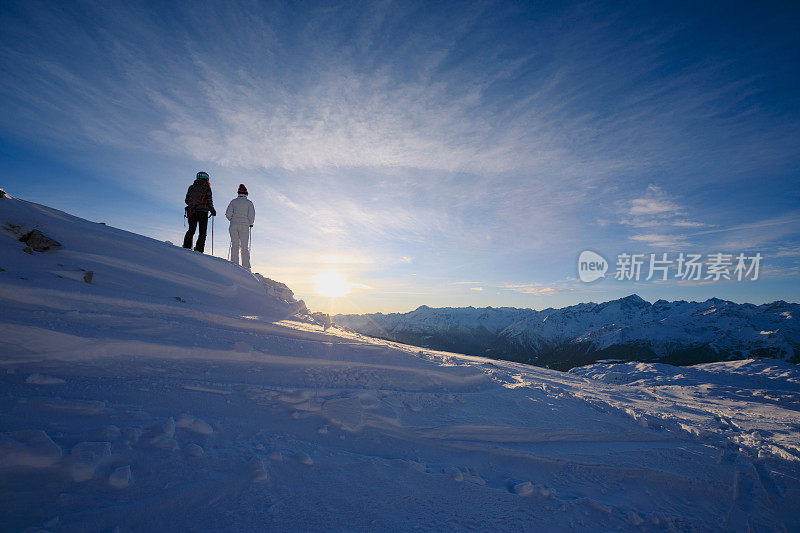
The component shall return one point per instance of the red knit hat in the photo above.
(242, 189)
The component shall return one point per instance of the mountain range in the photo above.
(627, 329)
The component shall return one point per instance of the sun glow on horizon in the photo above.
(332, 284)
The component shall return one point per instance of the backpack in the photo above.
(198, 197)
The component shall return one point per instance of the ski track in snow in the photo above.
(124, 407)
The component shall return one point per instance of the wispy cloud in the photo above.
(660, 240)
(419, 136)
(780, 272)
(784, 251)
(762, 233)
(530, 288)
(340, 103)
(656, 209)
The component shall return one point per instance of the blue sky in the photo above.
(446, 154)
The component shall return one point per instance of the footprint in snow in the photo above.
(166, 439)
(410, 464)
(346, 412)
(195, 425)
(258, 470)
(195, 450)
(86, 458)
(106, 433)
(523, 489)
(477, 480)
(168, 428)
(132, 434)
(304, 458)
(526, 488)
(276, 456)
(41, 379)
(455, 474)
(120, 478)
(165, 443)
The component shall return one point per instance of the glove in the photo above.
(213, 212)
(251, 225)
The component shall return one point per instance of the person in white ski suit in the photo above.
(242, 215)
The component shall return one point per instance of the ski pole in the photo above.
(212, 235)
(249, 239)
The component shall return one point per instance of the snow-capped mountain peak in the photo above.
(626, 328)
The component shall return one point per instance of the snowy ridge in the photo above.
(174, 391)
(628, 328)
(130, 267)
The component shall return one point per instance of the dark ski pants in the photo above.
(196, 217)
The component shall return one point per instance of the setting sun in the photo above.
(331, 284)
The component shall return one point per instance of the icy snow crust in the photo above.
(174, 392)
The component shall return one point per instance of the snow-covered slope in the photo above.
(126, 266)
(629, 328)
(171, 393)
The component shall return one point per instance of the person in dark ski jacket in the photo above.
(198, 206)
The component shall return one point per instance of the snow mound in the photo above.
(124, 265)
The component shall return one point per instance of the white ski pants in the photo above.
(240, 236)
